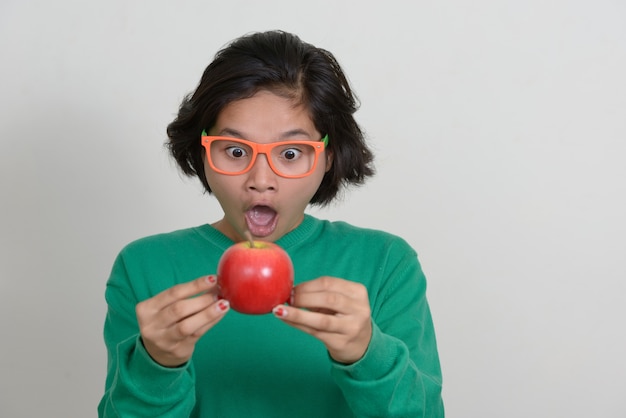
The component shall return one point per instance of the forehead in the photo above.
(265, 114)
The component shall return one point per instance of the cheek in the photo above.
(218, 183)
(308, 188)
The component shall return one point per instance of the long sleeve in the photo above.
(399, 375)
(249, 365)
(137, 386)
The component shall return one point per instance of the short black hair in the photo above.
(283, 64)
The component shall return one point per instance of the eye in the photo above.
(290, 154)
(236, 152)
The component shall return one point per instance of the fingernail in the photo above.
(223, 305)
(211, 278)
(280, 311)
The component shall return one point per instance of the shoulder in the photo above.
(379, 240)
(163, 241)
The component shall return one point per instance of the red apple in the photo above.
(255, 276)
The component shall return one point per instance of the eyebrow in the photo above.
(230, 132)
(288, 134)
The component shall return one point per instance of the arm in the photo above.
(399, 375)
(396, 373)
(136, 385)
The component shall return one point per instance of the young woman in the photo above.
(268, 131)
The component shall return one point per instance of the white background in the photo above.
(500, 133)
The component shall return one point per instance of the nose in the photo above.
(261, 177)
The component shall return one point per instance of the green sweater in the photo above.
(257, 366)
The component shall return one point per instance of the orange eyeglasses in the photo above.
(290, 159)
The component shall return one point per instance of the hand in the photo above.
(172, 321)
(335, 311)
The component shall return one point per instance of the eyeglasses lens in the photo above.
(289, 159)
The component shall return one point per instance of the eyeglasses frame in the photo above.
(319, 147)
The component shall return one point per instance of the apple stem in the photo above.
(249, 237)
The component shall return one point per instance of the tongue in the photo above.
(261, 220)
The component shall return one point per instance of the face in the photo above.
(259, 200)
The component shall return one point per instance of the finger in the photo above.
(184, 291)
(196, 325)
(325, 302)
(348, 288)
(307, 321)
(181, 309)
(345, 338)
(222, 308)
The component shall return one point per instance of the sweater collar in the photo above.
(309, 227)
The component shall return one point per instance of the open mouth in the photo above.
(261, 220)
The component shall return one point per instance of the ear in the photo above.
(329, 160)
